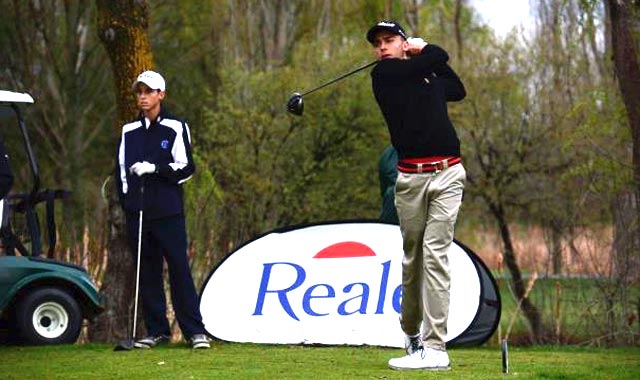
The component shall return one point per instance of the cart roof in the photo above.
(15, 97)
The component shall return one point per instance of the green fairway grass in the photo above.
(251, 361)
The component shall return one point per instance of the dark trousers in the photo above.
(165, 239)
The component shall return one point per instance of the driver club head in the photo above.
(295, 104)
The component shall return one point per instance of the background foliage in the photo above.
(543, 129)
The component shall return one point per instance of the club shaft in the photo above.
(339, 78)
(135, 300)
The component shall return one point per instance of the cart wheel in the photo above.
(49, 316)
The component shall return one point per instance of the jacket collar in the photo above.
(164, 113)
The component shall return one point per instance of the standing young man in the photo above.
(412, 84)
(154, 160)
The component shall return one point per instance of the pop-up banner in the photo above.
(336, 283)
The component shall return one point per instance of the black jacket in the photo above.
(412, 95)
(165, 143)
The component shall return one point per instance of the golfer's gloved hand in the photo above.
(142, 168)
(416, 45)
(416, 41)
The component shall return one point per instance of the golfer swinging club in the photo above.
(412, 84)
(155, 156)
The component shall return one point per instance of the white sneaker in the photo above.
(423, 359)
(412, 343)
(199, 341)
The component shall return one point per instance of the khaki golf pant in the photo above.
(427, 206)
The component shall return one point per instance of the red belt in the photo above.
(427, 167)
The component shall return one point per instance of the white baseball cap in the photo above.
(152, 79)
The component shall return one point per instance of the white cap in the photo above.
(152, 79)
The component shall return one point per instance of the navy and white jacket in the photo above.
(165, 142)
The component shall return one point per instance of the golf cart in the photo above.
(42, 300)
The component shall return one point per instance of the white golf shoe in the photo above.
(412, 343)
(423, 359)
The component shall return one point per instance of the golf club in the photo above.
(505, 356)
(127, 344)
(295, 104)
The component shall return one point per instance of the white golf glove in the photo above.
(417, 41)
(142, 168)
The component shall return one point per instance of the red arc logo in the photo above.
(345, 249)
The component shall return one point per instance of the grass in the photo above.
(251, 361)
(579, 315)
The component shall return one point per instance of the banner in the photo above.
(334, 284)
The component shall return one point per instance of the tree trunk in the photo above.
(626, 264)
(556, 248)
(624, 17)
(624, 22)
(460, 4)
(411, 14)
(122, 28)
(530, 310)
